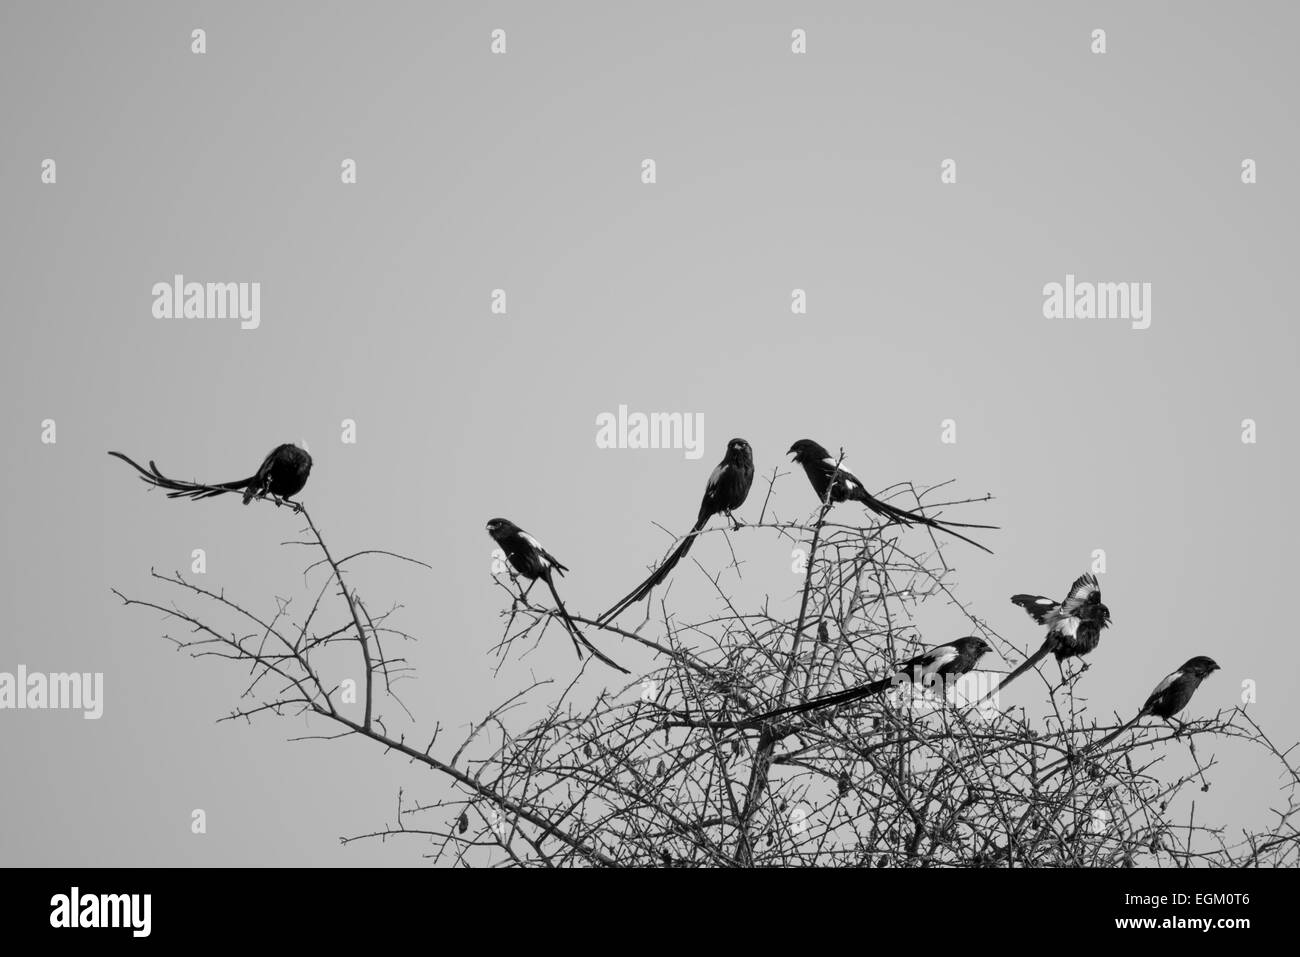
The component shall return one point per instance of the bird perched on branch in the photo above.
(282, 474)
(938, 665)
(1074, 625)
(1171, 696)
(726, 491)
(836, 481)
(534, 562)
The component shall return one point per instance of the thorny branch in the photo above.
(619, 780)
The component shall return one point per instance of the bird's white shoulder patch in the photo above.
(938, 658)
(1169, 679)
(1067, 627)
(530, 540)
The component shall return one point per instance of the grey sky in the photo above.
(522, 172)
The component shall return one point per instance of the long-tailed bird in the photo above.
(727, 489)
(1171, 696)
(1074, 625)
(532, 561)
(842, 485)
(282, 474)
(942, 663)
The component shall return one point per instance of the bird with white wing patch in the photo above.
(1169, 697)
(833, 483)
(726, 490)
(533, 561)
(1074, 625)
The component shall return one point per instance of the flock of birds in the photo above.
(1074, 624)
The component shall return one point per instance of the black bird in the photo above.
(282, 474)
(727, 489)
(843, 486)
(1171, 696)
(938, 664)
(532, 561)
(1073, 625)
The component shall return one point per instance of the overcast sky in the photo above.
(522, 172)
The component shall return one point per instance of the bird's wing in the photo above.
(546, 557)
(851, 481)
(937, 658)
(266, 462)
(928, 662)
(1038, 606)
(1168, 680)
(1161, 688)
(1083, 590)
(708, 506)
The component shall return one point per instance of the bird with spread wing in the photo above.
(1074, 625)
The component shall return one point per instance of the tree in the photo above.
(672, 771)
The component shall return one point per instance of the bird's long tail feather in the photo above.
(1097, 745)
(180, 489)
(656, 577)
(1025, 665)
(1057, 766)
(827, 701)
(906, 518)
(577, 635)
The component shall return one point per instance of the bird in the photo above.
(1171, 696)
(533, 561)
(834, 483)
(1074, 625)
(947, 661)
(726, 491)
(282, 475)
